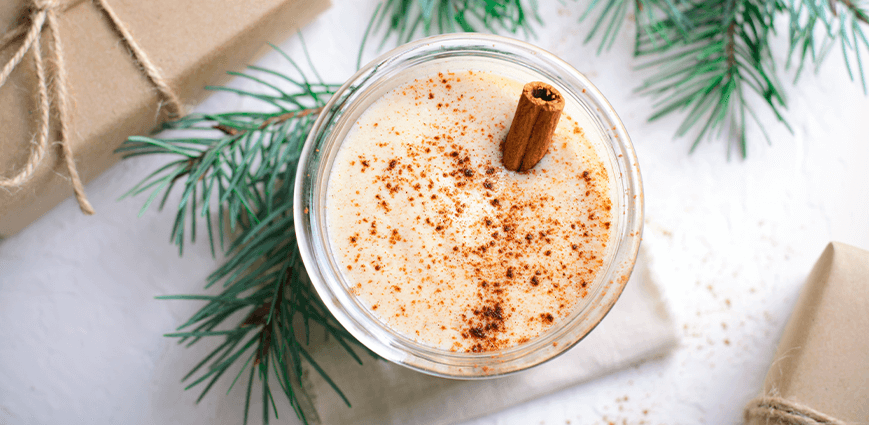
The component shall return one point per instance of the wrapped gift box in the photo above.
(192, 42)
(820, 374)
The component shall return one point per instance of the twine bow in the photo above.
(43, 15)
(786, 411)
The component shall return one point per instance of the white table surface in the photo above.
(732, 240)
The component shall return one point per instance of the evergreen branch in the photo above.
(713, 57)
(842, 21)
(858, 12)
(407, 19)
(655, 19)
(241, 166)
(724, 58)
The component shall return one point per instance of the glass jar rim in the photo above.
(374, 334)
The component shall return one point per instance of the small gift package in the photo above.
(820, 374)
(77, 77)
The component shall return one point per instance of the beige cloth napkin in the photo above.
(639, 327)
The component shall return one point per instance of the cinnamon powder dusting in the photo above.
(443, 243)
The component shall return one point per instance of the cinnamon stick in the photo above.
(530, 134)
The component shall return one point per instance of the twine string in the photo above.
(61, 100)
(767, 408)
(44, 17)
(37, 21)
(171, 102)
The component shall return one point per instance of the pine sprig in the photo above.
(407, 19)
(712, 58)
(725, 58)
(817, 26)
(656, 20)
(236, 174)
(853, 39)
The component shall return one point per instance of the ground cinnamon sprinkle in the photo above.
(454, 250)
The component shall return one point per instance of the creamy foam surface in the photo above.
(440, 241)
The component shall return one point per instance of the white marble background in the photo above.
(733, 240)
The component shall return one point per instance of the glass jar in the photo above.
(519, 61)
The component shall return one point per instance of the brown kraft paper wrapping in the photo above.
(192, 42)
(820, 374)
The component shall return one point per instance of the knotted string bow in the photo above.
(43, 16)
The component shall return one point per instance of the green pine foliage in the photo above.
(648, 13)
(407, 19)
(404, 20)
(235, 174)
(720, 63)
(712, 60)
(817, 26)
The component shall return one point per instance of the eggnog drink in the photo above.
(440, 241)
